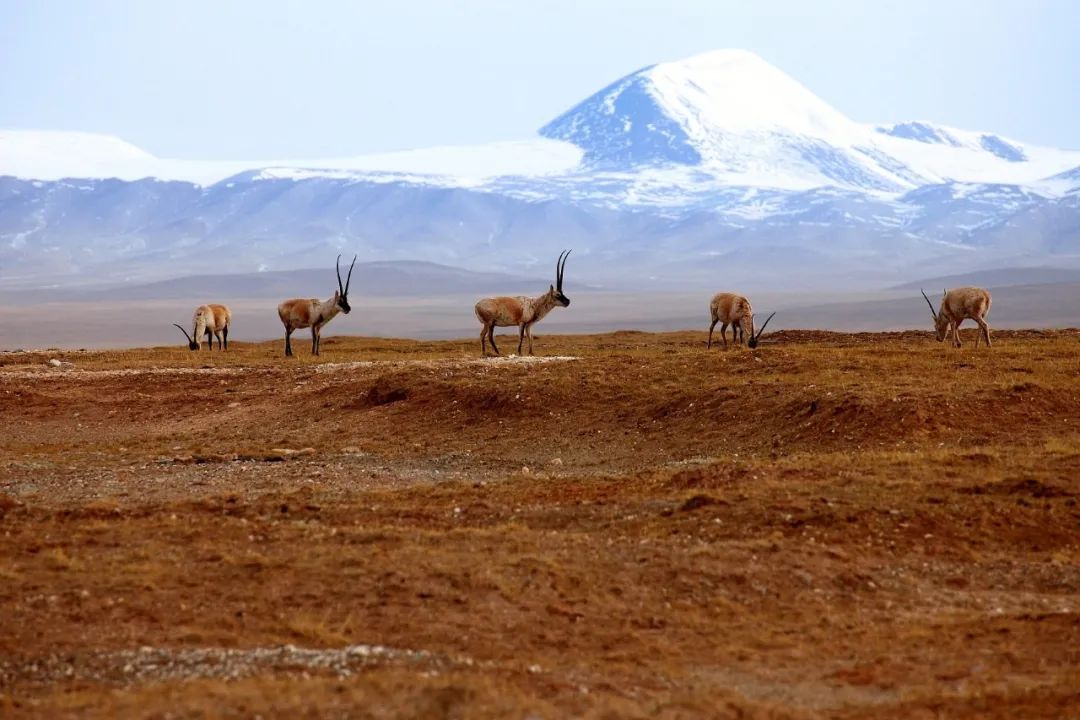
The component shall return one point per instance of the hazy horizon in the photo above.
(74, 325)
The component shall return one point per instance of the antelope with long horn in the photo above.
(524, 312)
(734, 310)
(755, 339)
(212, 321)
(300, 313)
(958, 305)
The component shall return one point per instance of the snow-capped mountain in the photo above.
(682, 161)
(740, 120)
(730, 114)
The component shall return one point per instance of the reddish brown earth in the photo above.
(830, 526)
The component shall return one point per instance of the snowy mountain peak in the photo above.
(90, 146)
(688, 111)
(54, 154)
(57, 153)
(737, 91)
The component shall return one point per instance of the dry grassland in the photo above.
(833, 525)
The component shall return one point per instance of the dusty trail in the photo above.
(830, 526)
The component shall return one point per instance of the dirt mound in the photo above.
(385, 390)
(1028, 486)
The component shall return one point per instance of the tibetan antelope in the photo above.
(524, 312)
(300, 313)
(734, 310)
(212, 321)
(957, 305)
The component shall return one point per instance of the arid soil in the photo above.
(831, 525)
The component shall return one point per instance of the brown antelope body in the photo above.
(213, 322)
(734, 310)
(520, 311)
(299, 313)
(958, 305)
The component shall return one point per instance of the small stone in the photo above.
(234, 404)
(525, 470)
(55, 363)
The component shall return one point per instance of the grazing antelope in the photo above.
(957, 305)
(734, 310)
(212, 321)
(300, 313)
(522, 311)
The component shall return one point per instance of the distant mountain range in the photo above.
(715, 169)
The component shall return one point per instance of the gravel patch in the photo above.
(153, 664)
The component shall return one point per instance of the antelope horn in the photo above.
(184, 331)
(341, 290)
(932, 310)
(758, 336)
(560, 268)
(349, 278)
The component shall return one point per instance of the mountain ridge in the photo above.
(716, 155)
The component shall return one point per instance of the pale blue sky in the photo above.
(239, 79)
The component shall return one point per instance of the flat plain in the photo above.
(627, 525)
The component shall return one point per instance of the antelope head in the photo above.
(941, 322)
(342, 295)
(192, 345)
(753, 341)
(556, 289)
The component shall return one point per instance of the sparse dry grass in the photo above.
(831, 526)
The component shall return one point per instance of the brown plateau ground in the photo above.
(832, 525)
